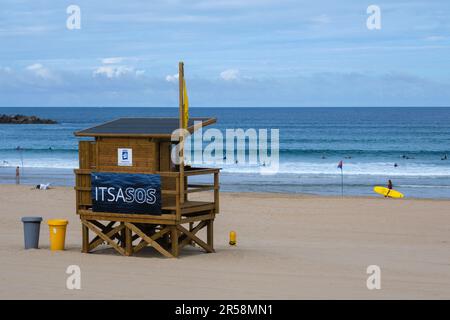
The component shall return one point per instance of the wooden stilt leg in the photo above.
(85, 236)
(128, 242)
(122, 236)
(174, 240)
(210, 233)
(191, 227)
(166, 239)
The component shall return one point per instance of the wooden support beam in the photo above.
(128, 241)
(192, 188)
(177, 200)
(106, 237)
(149, 240)
(210, 233)
(85, 236)
(132, 218)
(216, 192)
(191, 227)
(186, 240)
(174, 241)
(200, 171)
(197, 240)
(110, 216)
(198, 208)
(122, 236)
(99, 225)
(106, 230)
(154, 237)
(202, 217)
(181, 138)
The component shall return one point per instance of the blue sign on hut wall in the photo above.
(126, 193)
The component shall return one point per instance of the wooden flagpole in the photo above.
(181, 142)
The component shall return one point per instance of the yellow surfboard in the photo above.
(391, 193)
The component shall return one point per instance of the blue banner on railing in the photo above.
(126, 193)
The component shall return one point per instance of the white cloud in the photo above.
(80, 88)
(140, 72)
(173, 78)
(114, 71)
(40, 71)
(109, 72)
(230, 74)
(112, 60)
(35, 66)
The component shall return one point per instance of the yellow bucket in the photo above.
(57, 233)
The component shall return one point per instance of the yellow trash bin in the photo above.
(57, 233)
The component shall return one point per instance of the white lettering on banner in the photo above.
(130, 195)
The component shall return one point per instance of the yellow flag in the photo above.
(186, 105)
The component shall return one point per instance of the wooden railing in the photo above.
(83, 188)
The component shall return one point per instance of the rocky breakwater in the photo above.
(22, 119)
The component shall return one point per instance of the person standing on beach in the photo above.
(389, 184)
(17, 175)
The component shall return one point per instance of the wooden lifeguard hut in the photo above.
(131, 194)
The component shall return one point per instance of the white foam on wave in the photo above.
(42, 163)
(366, 168)
(439, 169)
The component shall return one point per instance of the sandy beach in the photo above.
(289, 247)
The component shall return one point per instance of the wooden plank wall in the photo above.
(101, 155)
(145, 154)
(86, 151)
(87, 159)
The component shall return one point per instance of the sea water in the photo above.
(370, 141)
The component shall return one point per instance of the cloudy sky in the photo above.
(236, 53)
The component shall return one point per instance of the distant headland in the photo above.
(22, 119)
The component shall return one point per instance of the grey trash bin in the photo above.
(31, 227)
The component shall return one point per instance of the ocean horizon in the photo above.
(405, 144)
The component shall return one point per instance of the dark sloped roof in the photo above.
(144, 127)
